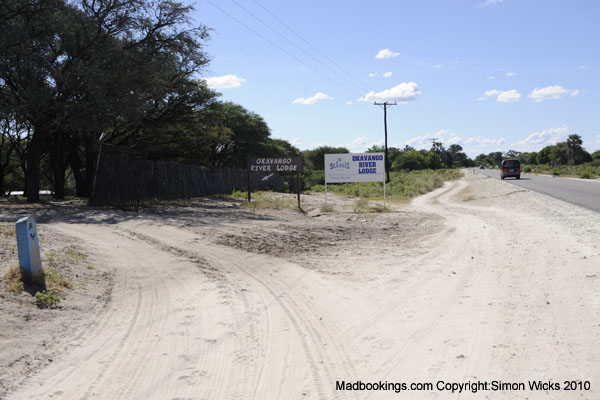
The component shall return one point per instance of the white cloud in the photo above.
(357, 145)
(224, 82)
(489, 3)
(372, 74)
(473, 145)
(349, 102)
(537, 140)
(295, 142)
(491, 77)
(312, 100)
(443, 136)
(510, 73)
(387, 74)
(550, 93)
(505, 96)
(386, 53)
(492, 92)
(404, 92)
(508, 96)
(483, 141)
(574, 93)
(476, 145)
(437, 66)
(583, 67)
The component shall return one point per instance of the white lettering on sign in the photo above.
(281, 164)
(273, 161)
(260, 168)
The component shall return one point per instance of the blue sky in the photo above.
(486, 74)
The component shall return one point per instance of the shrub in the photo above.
(47, 298)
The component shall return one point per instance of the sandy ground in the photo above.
(477, 281)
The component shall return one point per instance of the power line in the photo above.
(293, 44)
(406, 121)
(364, 85)
(281, 48)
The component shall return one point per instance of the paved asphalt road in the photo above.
(584, 193)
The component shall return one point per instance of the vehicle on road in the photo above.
(510, 168)
(482, 166)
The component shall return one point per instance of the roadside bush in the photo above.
(47, 298)
(402, 185)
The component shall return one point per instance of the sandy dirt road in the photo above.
(478, 280)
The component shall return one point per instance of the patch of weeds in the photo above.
(50, 257)
(556, 173)
(55, 280)
(90, 267)
(75, 253)
(361, 205)
(527, 169)
(327, 208)
(275, 203)
(239, 194)
(47, 298)
(14, 280)
(379, 208)
(585, 175)
(7, 230)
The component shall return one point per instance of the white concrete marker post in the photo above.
(29, 251)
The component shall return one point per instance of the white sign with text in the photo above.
(354, 167)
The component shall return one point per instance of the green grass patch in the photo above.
(47, 298)
(402, 185)
(590, 170)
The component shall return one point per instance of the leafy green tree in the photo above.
(576, 153)
(412, 160)
(559, 153)
(76, 69)
(315, 159)
(543, 156)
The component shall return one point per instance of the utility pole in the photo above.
(385, 104)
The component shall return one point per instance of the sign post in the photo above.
(355, 167)
(271, 165)
(30, 260)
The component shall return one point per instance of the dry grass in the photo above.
(7, 230)
(75, 253)
(362, 206)
(55, 280)
(267, 201)
(327, 208)
(13, 280)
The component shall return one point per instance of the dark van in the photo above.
(511, 168)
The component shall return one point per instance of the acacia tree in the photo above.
(75, 69)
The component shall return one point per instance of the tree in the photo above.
(76, 69)
(315, 159)
(412, 160)
(576, 152)
(543, 156)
